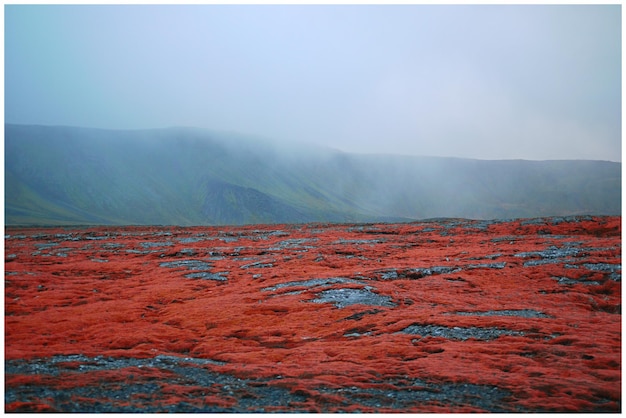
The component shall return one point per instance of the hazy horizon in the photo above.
(531, 82)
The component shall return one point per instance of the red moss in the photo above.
(35, 407)
(130, 306)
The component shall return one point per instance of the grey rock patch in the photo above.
(487, 265)
(405, 395)
(112, 245)
(97, 238)
(278, 233)
(556, 220)
(295, 292)
(510, 238)
(357, 241)
(294, 243)
(257, 265)
(9, 236)
(359, 315)
(188, 264)
(487, 257)
(416, 273)
(312, 283)
(46, 245)
(364, 229)
(142, 252)
(197, 238)
(551, 252)
(568, 281)
(207, 275)
(524, 313)
(189, 252)
(604, 267)
(458, 333)
(389, 275)
(481, 225)
(534, 263)
(357, 334)
(534, 221)
(196, 265)
(612, 269)
(436, 270)
(346, 297)
(51, 365)
(193, 360)
(569, 219)
(156, 244)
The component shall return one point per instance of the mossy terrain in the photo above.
(447, 315)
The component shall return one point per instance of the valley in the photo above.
(58, 175)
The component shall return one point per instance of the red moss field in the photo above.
(445, 315)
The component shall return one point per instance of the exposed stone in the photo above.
(294, 243)
(156, 244)
(188, 264)
(257, 265)
(345, 297)
(312, 283)
(416, 273)
(551, 252)
(458, 333)
(568, 281)
(206, 275)
(487, 265)
(525, 313)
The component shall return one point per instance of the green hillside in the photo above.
(183, 176)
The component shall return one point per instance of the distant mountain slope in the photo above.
(183, 176)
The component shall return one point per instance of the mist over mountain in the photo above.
(185, 176)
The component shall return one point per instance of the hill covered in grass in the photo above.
(185, 176)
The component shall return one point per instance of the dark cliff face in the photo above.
(62, 175)
(226, 203)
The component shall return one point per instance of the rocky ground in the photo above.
(445, 315)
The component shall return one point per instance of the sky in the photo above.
(531, 82)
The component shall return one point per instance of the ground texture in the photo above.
(437, 316)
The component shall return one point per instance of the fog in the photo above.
(489, 82)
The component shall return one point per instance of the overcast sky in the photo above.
(489, 82)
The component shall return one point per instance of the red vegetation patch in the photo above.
(441, 316)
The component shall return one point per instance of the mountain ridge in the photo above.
(62, 175)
